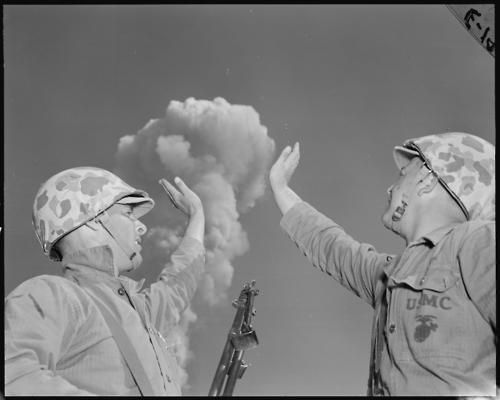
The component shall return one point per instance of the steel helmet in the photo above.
(74, 196)
(464, 165)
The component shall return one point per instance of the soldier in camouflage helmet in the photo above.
(94, 331)
(464, 165)
(74, 197)
(434, 322)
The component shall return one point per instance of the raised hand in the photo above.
(184, 199)
(284, 167)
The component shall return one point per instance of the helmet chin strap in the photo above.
(129, 252)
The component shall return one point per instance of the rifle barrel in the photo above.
(220, 374)
(230, 363)
(233, 372)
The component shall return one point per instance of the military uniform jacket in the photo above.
(438, 332)
(58, 343)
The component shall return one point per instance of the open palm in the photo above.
(284, 167)
(184, 199)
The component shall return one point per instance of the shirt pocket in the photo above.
(433, 319)
(438, 279)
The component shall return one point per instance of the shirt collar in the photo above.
(98, 258)
(435, 236)
(95, 265)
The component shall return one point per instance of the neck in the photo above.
(426, 223)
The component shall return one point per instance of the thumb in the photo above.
(180, 183)
(184, 189)
(296, 147)
(286, 152)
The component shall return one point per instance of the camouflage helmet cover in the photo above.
(74, 196)
(464, 165)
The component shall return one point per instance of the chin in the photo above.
(136, 262)
(386, 219)
(131, 265)
(390, 224)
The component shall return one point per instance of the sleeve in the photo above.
(38, 329)
(167, 298)
(477, 260)
(356, 266)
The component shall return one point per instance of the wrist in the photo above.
(286, 198)
(278, 187)
(196, 225)
(197, 213)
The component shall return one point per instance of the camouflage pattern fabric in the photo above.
(465, 165)
(74, 196)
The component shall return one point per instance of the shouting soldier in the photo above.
(434, 326)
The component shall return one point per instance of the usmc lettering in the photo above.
(431, 300)
(434, 300)
(442, 305)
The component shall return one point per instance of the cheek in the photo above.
(406, 185)
(395, 194)
(123, 227)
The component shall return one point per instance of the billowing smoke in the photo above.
(223, 153)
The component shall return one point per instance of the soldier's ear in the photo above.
(427, 184)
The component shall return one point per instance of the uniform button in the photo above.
(389, 258)
(392, 328)
(121, 291)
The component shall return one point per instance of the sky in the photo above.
(348, 82)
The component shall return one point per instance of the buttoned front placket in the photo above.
(386, 325)
(395, 301)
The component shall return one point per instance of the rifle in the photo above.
(241, 337)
